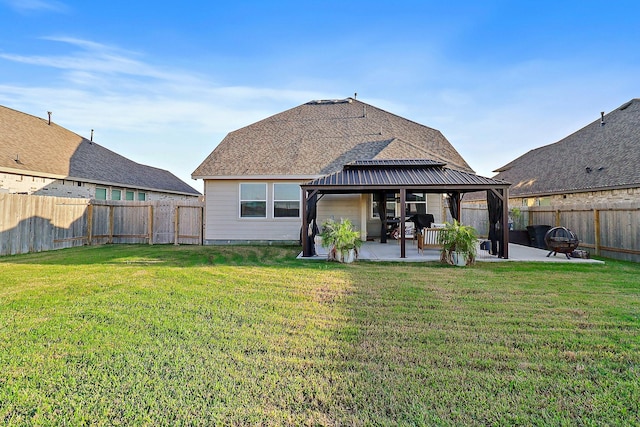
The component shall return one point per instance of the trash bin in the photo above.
(536, 235)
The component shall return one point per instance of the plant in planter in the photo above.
(342, 240)
(458, 244)
(515, 216)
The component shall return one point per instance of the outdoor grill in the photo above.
(561, 239)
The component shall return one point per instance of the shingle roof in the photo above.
(319, 137)
(598, 156)
(417, 173)
(49, 150)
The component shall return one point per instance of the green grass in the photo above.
(164, 335)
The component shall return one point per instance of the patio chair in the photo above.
(409, 232)
(428, 239)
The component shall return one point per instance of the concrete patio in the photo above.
(390, 251)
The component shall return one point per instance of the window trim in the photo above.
(397, 204)
(371, 213)
(425, 202)
(106, 193)
(266, 201)
(118, 190)
(274, 200)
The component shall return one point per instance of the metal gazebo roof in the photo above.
(427, 175)
(371, 176)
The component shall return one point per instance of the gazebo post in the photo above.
(505, 222)
(304, 235)
(403, 201)
(382, 212)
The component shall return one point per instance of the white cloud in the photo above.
(100, 83)
(168, 118)
(26, 6)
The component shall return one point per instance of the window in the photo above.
(116, 194)
(286, 200)
(142, 196)
(101, 193)
(128, 195)
(391, 206)
(415, 203)
(253, 200)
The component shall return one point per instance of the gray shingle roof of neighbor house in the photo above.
(605, 154)
(319, 137)
(32, 146)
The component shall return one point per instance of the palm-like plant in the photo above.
(340, 237)
(458, 238)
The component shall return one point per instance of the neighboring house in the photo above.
(253, 178)
(41, 158)
(600, 163)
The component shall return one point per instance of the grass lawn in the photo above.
(165, 335)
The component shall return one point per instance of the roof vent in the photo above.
(330, 101)
(602, 118)
(49, 113)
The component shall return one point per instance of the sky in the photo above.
(162, 83)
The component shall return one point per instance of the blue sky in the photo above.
(163, 82)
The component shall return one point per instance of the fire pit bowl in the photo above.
(561, 239)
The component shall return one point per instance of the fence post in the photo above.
(150, 224)
(596, 226)
(90, 224)
(111, 214)
(201, 225)
(558, 218)
(176, 225)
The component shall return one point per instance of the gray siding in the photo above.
(339, 206)
(223, 222)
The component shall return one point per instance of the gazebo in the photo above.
(401, 176)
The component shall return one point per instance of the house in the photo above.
(41, 158)
(598, 163)
(253, 178)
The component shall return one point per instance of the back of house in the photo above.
(252, 178)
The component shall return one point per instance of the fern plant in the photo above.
(340, 238)
(458, 238)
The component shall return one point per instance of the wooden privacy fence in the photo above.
(42, 223)
(612, 231)
(608, 230)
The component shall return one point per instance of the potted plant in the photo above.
(459, 244)
(517, 231)
(341, 239)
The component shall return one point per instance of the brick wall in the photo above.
(39, 186)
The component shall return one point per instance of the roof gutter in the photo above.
(249, 177)
(580, 190)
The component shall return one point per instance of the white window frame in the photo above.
(298, 200)
(425, 203)
(241, 200)
(397, 204)
(372, 214)
(106, 193)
